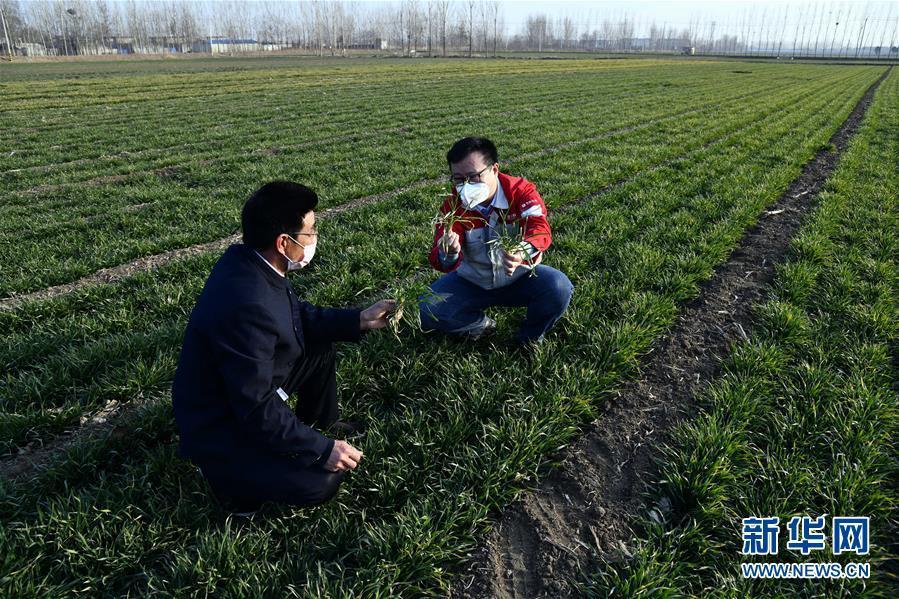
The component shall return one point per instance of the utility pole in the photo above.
(495, 19)
(64, 30)
(845, 33)
(833, 37)
(861, 33)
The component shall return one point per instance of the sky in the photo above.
(727, 14)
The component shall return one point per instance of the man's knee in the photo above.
(557, 287)
(324, 351)
(434, 312)
(323, 489)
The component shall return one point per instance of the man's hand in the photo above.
(512, 261)
(450, 243)
(375, 316)
(343, 457)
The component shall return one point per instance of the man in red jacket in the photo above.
(490, 242)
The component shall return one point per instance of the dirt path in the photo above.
(585, 507)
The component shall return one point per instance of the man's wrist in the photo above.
(323, 458)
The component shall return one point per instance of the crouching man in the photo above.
(490, 242)
(250, 344)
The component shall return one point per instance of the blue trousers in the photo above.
(457, 305)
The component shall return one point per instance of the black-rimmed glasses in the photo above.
(475, 178)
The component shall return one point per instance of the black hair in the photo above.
(275, 208)
(465, 146)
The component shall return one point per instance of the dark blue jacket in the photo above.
(243, 338)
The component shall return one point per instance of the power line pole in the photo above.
(858, 45)
(64, 30)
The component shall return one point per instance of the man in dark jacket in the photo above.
(249, 345)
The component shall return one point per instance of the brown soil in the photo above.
(585, 510)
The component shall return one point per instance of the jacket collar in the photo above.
(501, 198)
(248, 254)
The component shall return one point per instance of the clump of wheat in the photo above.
(448, 221)
(406, 310)
(511, 242)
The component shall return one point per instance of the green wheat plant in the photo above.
(406, 313)
(121, 514)
(448, 221)
(512, 242)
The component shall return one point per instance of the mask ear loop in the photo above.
(286, 257)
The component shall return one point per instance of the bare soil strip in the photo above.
(121, 271)
(34, 457)
(586, 508)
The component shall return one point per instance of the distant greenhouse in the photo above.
(223, 45)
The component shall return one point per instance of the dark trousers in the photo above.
(252, 477)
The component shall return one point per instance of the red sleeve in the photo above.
(433, 258)
(533, 214)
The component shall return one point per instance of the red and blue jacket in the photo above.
(518, 208)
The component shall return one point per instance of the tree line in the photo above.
(431, 27)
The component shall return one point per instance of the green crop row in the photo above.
(286, 93)
(291, 126)
(63, 363)
(277, 100)
(452, 433)
(201, 202)
(804, 419)
(38, 93)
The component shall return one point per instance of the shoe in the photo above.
(347, 428)
(529, 344)
(240, 508)
(488, 329)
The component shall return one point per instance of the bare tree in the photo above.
(470, 26)
(536, 31)
(5, 31)
(441, 12)
(569, 30)
(430, 27)
(493, 15)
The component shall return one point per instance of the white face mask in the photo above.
(308, 254)
(473, 194)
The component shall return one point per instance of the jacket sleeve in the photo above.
(244, 348)
(330, 324)
(441, 262)
(533, 218)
